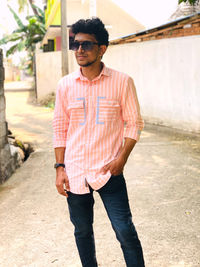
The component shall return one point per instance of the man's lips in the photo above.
(81, 57)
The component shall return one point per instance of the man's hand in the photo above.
(115, 167)
(62, 181)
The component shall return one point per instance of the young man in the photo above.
(92, 106)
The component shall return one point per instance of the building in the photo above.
(48, 60)
(121, 23)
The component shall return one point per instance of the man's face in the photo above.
(87, 58)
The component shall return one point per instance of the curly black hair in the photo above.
(92, 26)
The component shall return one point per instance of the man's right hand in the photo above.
(62, 181)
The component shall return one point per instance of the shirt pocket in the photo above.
(109, 110)
(76, 111)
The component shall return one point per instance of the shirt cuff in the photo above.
(60, 143)
(132, 133)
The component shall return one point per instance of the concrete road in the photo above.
(163, 179)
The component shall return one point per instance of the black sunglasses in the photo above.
(85, 45)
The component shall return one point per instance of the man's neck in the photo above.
(93, 71)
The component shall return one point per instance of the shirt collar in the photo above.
(105, 71)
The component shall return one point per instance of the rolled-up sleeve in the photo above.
(131, 111)
(60, 120)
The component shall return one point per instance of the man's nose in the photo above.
(80, 49)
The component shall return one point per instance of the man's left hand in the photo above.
(115, 167)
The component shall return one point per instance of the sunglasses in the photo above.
(85, 45)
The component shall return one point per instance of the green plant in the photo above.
(192, 2)
(26, 36)
(49, 101)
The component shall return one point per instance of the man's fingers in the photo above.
(64, 194)
(112, 169)
(61, 190)
(67, 186)
(105, 168)
(66, 182)
(115, 170)
(62, 183)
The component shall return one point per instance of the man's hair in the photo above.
(92, 26)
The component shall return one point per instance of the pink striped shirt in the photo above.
(89, 121)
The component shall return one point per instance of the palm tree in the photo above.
(25, 37)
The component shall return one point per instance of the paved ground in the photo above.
(163, 179)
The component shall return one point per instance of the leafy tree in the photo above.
(25, 37)
(192, 2)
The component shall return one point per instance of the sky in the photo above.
(150, 13)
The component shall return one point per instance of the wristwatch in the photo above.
(56, 165)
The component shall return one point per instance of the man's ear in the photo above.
(103, 49)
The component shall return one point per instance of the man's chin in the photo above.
(85, 64)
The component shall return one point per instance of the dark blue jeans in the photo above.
(115, 199)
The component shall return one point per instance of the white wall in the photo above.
(167, 77)
(48, 71)
(121, 23)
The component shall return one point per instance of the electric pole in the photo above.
(93, 8)
(64, 37)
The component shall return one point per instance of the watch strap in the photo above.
(56, 165)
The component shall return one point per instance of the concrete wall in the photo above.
(121, 23)
(166, 74)
(7, 163)
(11, 73)
(77, 10)
(48, 72)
